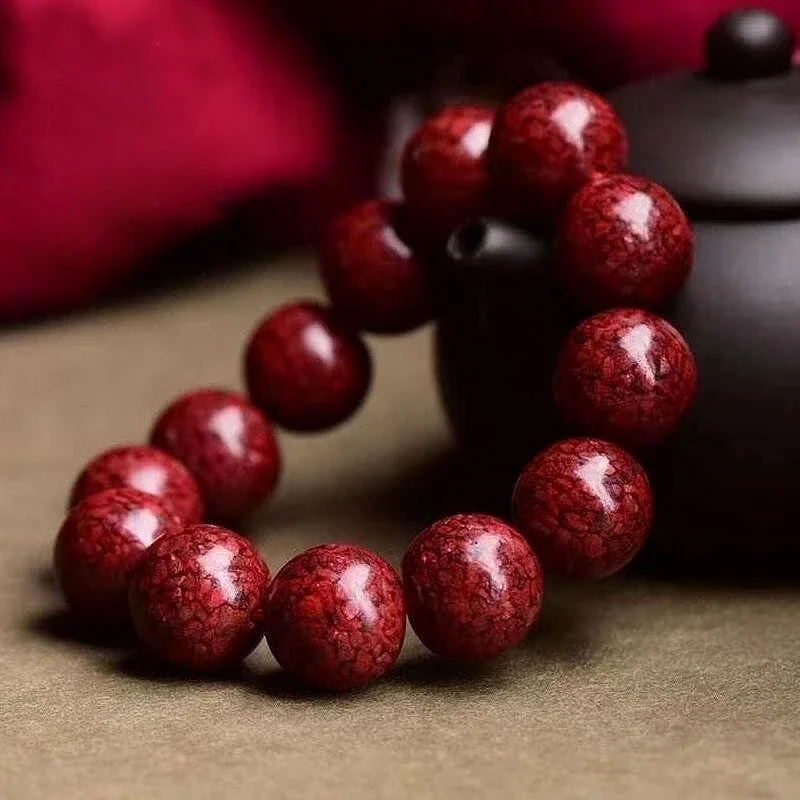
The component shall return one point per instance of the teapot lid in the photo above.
(726, 139)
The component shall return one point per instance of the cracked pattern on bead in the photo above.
(625, 375)
(443, 169)
(147, 469)
(546, 143)
(624, 241)
(197, 598)
(306, 369)
(227, 445)
(473, 586)
(100, 543)
(585, 506)
(372, 277)
(336, 617)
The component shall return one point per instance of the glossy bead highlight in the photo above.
(624, 241)
(443, 170)
(229, 447)
(100, 543)
(197, 598)
(473, 587)
(585, 506)
(371, 275)
(147, 469)
(335, 617)
(547, 141)
(625, 375)
(306, 369)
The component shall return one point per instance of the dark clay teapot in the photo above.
(726, 143)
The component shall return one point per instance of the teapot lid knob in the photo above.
(749, 43)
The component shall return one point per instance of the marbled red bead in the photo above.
(228, 446)
(147, 469)
(585, 506)
(624, 241)
(197, 598)
(100, 543)
(335, 617)
(626, 375)
(306, 369)
(473, 586)
(547, 141)
(372, 277)
(443, 169)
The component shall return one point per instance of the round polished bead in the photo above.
(443, 170)
(306, 369)
(197, 598)
(585, 506)
(624, 241)
(335, 617)
(626, 375)
(473, 587)
(547, 141)
(228, 446)
(372, 277)
(147, 469)
(100, 543)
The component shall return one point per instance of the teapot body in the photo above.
(725, 141)
(501, 318)
(726, 484)
(728, 481)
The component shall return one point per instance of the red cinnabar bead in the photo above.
(585, 506)
(335, 617)
(443, 171)
(546, 143)
(624, 241)
(227, 445)
(372, 277)
(306, 369)
(473, 586)
(100, 543)
(197, 598)
(625, 375)
(144, 468)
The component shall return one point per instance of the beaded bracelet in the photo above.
(134, 547)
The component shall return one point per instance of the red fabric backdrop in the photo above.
(126, 124)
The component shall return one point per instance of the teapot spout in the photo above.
(487, 246)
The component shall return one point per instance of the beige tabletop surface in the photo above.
(628, 689)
